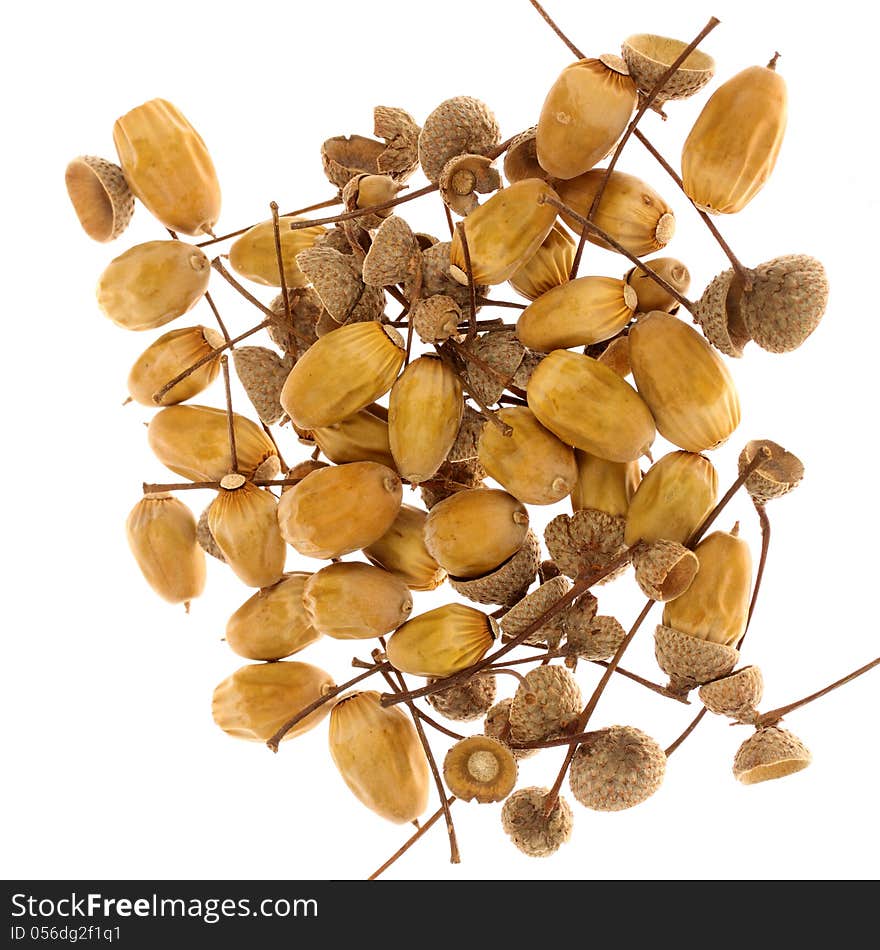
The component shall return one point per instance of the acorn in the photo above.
(393, 256)
(504, 353)
(253, 255)
(548, 267)
(616, 768)
(689, 661)
(775, 476)
(585, 542)
(603, 485)
(527, 610)
(770, 753)
(379, 756)
(508, 582)
(100, 196)
(497, 725)
(521, 157)
(169, 355)
(272, 623)
(463, 702)
(480, 769)
(205, 538)
(262, 373)
(585, 113)
(365, 191)
(360, 437)
(736, 695)
(719, 314)
(546, 704)
(463, 178)
(336, 278)
(436, 319)
(441, 641)
(649, 294)
(152, 284)
(340, 509)
(588, 406)
(597, 640)
(577, 313)
(664, 569)
(259, 698)
(458, 126)
(687, 386)
(531, 830)
(401, 550)
(161, 534)
(353, 601)
(533, 465)
(649, 57)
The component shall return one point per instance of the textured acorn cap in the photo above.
(394, 254)
(450, 478)
(463, 178)
(262, 373)
(500, 350)
(664, 569)
(597, 640)
(436, 319)
(100, 196)
(521, 157)
(507, 583)
(537, 835)
(688, 661)
(337, 238)
(649, 57)
(457, 126)
(205, 538)
(337, 281)
(295, 334)
(527, 611)
(586, 540)
(776, 476)
(770, 753)
(465, 445)
(345, 156)
(465, 701)
(400, 132)
(717, 313)
(787, 300)
(736, 695)
(546, 704)
(480, 768)
(435, 277)
(497, 725)
(616, 768)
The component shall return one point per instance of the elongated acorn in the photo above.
(402, 551)
(253, 255)
(548, 267)
(603, 485)
(170, 355)
(441, 641)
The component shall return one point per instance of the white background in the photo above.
(113, 766)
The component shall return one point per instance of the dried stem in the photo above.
(472, 357)
(230, 415)
(472, 293)
(491, 302)
(693, 725)
(152, 487)
(268, 431)
(449, 223)
(217, 264)
(762, 563)
(273, 205)
(287, 214)
(556, 30)
(363, 212)
(428, 721)
(447, 803)
(217, 317)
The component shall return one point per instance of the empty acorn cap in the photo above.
(736, 695)
(345, 156)
(521, 157)
(776, 476)
(100, 195)
(588, 539)
(463, 178)
(480, 768)
(533, 832)
(545, 705)
(393, 256)
(688, 661)
(436, 319)
(400, 133)
(770, 753)
(527, 610)
(719, 316)
(507, 583)
(457, 126)
(649, 57)
(465, 701)
(664, 569)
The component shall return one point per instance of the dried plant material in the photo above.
(549, 267)
(394, 255)
(599, 640)
(465, 446)
(497, 725)
(401, 550)
(521, 157)
(452, 477)
(546, 704)
(263, 374)
(458, 126)
(650, 295)
(345, 156)
(301, 469)
(664, 569)
(295, 334)
(534, 833)
(360, 437)
(366, 191)
(441, 641)
(649, 56)
(435, 277)
(603, 485)
(255, 257)
(689, 661)
(336, 238)
(100, 196)
(736, 695)
(337, 281)
(463, 178)
(500, 350)
(480, 769)
(436, 319)
(719, 314)
(464, 702)
(616, 356)
(776, 476)
(509, 581)
(585, 542)
(398, 129)
(167, 357)
(527, 611)
(205, 538)
(770, 753)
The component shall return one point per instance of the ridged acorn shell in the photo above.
(509, 581)
(534, 833)
(360, 437)
(458, 126)
(169, 355)
(100, 195)
(254, 255)
(736, 695)
(603, 485)
(441, 641)
(545, 704)
(688, 661)
(548, 267)
(401, 550)
(770, 753)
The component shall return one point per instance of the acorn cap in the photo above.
(770, 753)
(717, 313)
(530, 608)
(345, 156)
(580, 614)
(296, 333)
(529, 364)
(521, 157)
(586, 540)
(205, 538)
(736, 695)
(394, 254)
(337, 238)
(664, 569)
(465, 445)
(648, 57)
(546, 704)
(597, 640)
(497, 725)
(437, 280)
(463, 178)
(547, 571)
(263, 374)
(458, 126)
(436, 319)
(537, 835)
(507, 583)
(616, 768)
(100, 196)
(480, 768)
(450, 478)
(688, 661)
(776, 476)
(787, 300)
(465, 701)
(337, 281)
(400, 132)
(500, 350)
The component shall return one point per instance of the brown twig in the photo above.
(472, 293)
(762, 563)
(429, 721)
(362, 212)
(488, 414)
(693, 725)
(279, 257)
(287, 214)
(230, 415)
(556, 30)
(152, 487)
(449, 223)
(447, 803)
(217, 317)
(491, 302)
(217, 264)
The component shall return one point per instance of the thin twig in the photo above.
(287, 214)
(762, 563)
(472, 293)
(693, 725)
(447, 803)
(230, 415)
(217, 317)
(556, 30)
(279, 257)
(153, 487)
(438, 726)
(491, 302)
(217, 264)
(362, 212)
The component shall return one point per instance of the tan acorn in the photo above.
(535, 833)
(481, 769)
(394, 254)
(167, 166)
(253, 255)
(100, 196)
(318, 394)
(441, 641)
(590, 407)
(152, 284)
(336, 278)
(689, 661)
(436, 319)
(259, 698)
(546, 704)
(719, 314)
(161, 534)
(649, 57)
(504, 353)
(586, 541)
(507, 583)
(474, 531)
(463, 178)
(548, 267)
(244, 524)
(379, 756)
(664, 569)
(775, 476)
(631, 211)
(672, 499)
(504, 232)
(205, 538)
(273, 622)
(532, 606)
(577, 313)
(597, 640)
(497, 725)
(736, 695)
(340, 509)
(770, 753)
(424, 414)
(262, 373)
(585, 113)
(353, 601)
(361, 437)
(170, 355)
(732, 148)
(193, 441)
(401, 550)
(616, 768)
(603, 485)
(649, 294)
(365, 191)
(521, 157)
(463, 702)
(458, 126)
(531, 463)
(687, 386)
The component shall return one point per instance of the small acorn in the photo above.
(770, 753)
(458, 126)
(366, 191)
(531, 830)
(664, 569)
(480, 769)
(401, 550)
(436, 319)
(527, 610)
(736, 695)
(360, 437)
(100, 196)
(546, 704)
(463, 702)
(649, 294)
(776, 476)
(169, 355)
(254, 256)
(603, 485)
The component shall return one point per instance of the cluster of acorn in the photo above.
(567, 425)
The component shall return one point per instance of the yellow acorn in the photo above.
(615, 355)
(342, 373)
(365, 191)
(161, 533)
(401, 550)
(585, 113)
(507, 583)
(732, 147)
(603, 485)
(253, 255)
(100, 196)
(379, 756)
(503, 233)
(170, 355)
(590, 407)
(361, 437)
(442, 641)
(684, 381)
(152, 284)
(548, 267)
(649, 294)
(577, 313)
(168, 167)
(424, 413)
